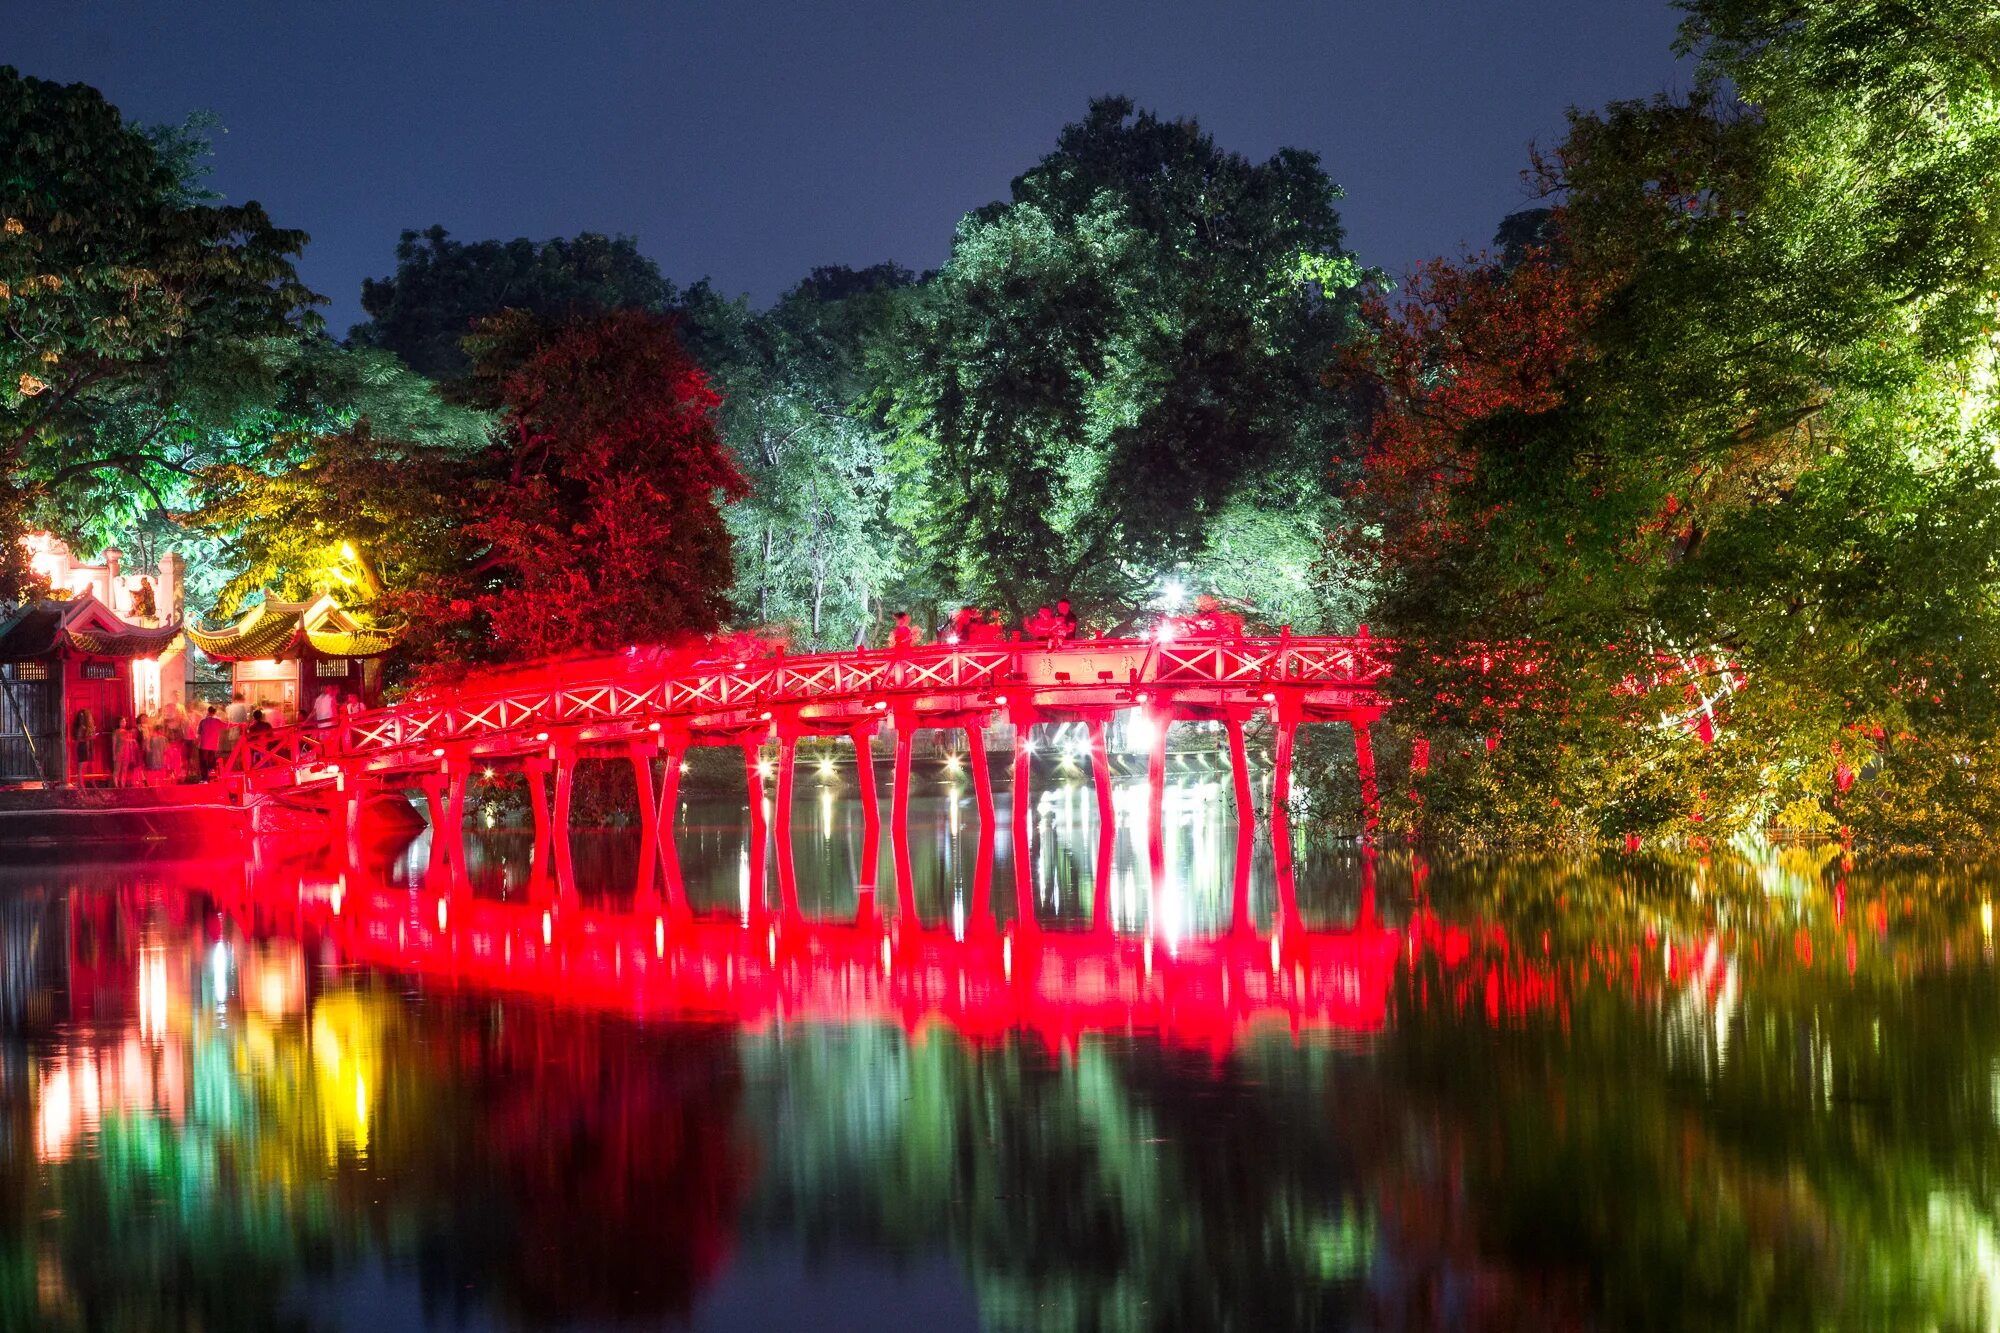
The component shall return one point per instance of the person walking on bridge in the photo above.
(905, 636)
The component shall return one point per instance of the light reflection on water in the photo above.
(1747, 1089)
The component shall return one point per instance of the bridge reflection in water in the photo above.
(649, 954)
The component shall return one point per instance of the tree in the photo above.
(597, 509)
(441, 288)
(121, 296)
(1756, 429)
(811, 547)
(1132, 345)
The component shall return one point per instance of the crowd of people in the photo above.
(172, 744)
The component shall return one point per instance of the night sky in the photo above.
(751, 141)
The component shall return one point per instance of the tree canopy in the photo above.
(812, 546)
(1734, 415)
(131, 308)
(1145, 306)
(441, 288)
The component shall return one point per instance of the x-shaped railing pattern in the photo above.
(607, 694)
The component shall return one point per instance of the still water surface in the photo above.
(1751, 1090)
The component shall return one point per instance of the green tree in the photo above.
(441, 288)
(810, 539)
(1761, 433)
(1129, 349)
(123, 298)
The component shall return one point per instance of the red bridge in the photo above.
(650, 704)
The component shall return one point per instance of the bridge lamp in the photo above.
(652, 726)
(881, 706)
(764, 717)
(1000, 699)
(826, 768)
(763, 768)
(541, 735)
(738, 666)
(438, 753)
(1270, 698)
(951, 762)
(1173, 594)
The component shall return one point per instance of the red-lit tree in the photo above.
(598, 510)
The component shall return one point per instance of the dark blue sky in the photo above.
(750, 140)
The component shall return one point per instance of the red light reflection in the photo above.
(662, 964)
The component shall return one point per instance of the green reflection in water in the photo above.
(1750, 1091)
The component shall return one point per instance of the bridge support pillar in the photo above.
(1246, 827)
(753, 778)
(905, 721)
(1364, 760)
(871, 812)
(788, 880)
(1023, 809)
(536, 771)
(433, 786)
(641, 754)
(457, 773)
(663, 818)
(1162, 715)
(564, 757)
(1107, 826)
(348, 793)
(1281, 820)
(982, 790)
(565, 770)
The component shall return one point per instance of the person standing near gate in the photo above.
(208, 736)
(83, 739)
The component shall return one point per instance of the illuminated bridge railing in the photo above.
(607, 699)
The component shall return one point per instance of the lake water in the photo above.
(1749, 1090)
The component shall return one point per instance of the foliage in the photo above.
(441, 288)
(356, 504)
(1113, 358)
(596, 509)
(1737, 408)
(122, 297)
(811, 550)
